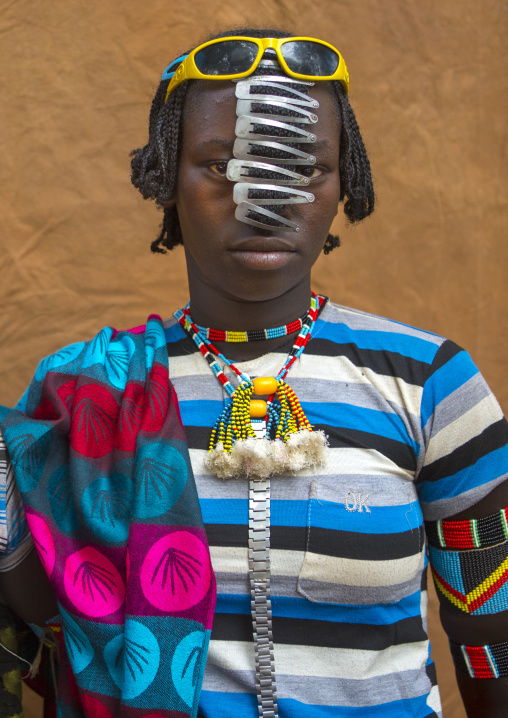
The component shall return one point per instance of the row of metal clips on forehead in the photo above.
(267, 128)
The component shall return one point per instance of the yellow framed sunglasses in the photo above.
(231, 58)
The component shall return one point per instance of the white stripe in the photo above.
(234, 560)
(463, 429)
(311, 661)
(391, 388)
(505, 523)
(352, 572)
(327, 569)
(358, 320)
(493, 668)
(343, 464)
(468, 662)
(474, 531)
(434, 701)
(440, 533)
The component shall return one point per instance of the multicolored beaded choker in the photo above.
(254, 335)
(289, 443)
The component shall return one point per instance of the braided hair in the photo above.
(155, 166)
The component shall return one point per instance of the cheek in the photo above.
(202, 201)
(322, 211)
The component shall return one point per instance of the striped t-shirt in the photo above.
(414, 434)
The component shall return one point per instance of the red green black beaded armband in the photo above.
(468, 534)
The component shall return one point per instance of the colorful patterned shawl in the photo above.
(101, 461)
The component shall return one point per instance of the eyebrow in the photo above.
(215, 141)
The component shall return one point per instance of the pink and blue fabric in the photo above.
(101, 460)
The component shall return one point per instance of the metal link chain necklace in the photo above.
(289, 445)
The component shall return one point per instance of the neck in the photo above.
(209, 307)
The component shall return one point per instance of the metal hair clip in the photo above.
(238, 171)
(243, 93)
(242, 149)
(243, 190)
(243, 210)
(245, 130)
(305, 117)
(267, 129)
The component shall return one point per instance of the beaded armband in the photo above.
(481, 661)
(468, 534)
(474, 578)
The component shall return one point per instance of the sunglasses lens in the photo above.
(310, 58)
(230, 57)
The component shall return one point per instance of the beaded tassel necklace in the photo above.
(290, 443)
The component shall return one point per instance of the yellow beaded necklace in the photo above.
(290, 444)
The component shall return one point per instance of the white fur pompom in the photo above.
(262, 458)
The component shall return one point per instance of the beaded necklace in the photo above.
(235, 451)
(290, 443)
(251, 335)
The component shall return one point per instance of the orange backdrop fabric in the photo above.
(428, 84)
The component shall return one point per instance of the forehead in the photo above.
(210, 112)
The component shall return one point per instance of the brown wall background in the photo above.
(428, 84)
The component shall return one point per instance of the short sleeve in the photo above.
(464, 453)
(15, 539)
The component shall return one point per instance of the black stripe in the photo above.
(430, 669)
(365, 547)
(325, 634)
(344, 438)
(446, 351)
(493, 437)
(181, 348)
(198, 437)
(380, 361)
(327, 542)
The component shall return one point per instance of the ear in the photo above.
(168, 203)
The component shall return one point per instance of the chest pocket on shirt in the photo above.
(358, 552)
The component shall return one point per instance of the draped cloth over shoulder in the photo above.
(101, 460)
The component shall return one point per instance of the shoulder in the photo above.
(370, 332)
(112, 356)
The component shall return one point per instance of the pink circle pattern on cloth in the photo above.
(92, 583)
(176, 572)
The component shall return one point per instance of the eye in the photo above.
(310, 172)
(219, 168)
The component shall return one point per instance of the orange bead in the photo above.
(257, 408)
(265, 385)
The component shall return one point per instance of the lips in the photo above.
(263, 244)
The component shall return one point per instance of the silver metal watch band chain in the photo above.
(261, 604)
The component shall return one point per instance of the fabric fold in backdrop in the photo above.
(102, 464)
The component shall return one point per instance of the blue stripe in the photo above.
(409, 346)
(200, 413)
(205, 413)
(233, 705)
(388, 614)
(226, 511)
(445, 381)
(488, 468)
(174, 333)
(338, 414)
(328, 515)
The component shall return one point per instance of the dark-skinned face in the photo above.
(229, 257)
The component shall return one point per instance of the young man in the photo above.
(320, 438)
